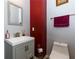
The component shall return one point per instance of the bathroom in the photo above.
(48, 32)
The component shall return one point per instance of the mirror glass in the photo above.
(14, 14)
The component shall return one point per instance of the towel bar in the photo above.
(63, 15)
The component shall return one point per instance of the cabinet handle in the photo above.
(26, 48)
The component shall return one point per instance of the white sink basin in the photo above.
(18, 40)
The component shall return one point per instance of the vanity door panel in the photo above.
(30, 45)
(20, 51)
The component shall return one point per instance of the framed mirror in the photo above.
(15, 14)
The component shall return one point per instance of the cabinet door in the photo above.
(20, 52)
(30, 45)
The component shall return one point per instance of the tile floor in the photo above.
(46, 57)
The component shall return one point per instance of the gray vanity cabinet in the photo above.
(21, 51)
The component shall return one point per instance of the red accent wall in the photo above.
(38, 21)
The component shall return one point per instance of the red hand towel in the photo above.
(62, 21)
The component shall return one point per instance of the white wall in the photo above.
(66, 34)
(14, 28)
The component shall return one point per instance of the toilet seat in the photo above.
(59, 52)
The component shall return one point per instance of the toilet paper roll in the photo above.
(40, 50)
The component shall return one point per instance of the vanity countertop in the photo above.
(18, 40)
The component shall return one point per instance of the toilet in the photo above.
(59, 51)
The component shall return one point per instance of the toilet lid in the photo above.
(59, 52)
